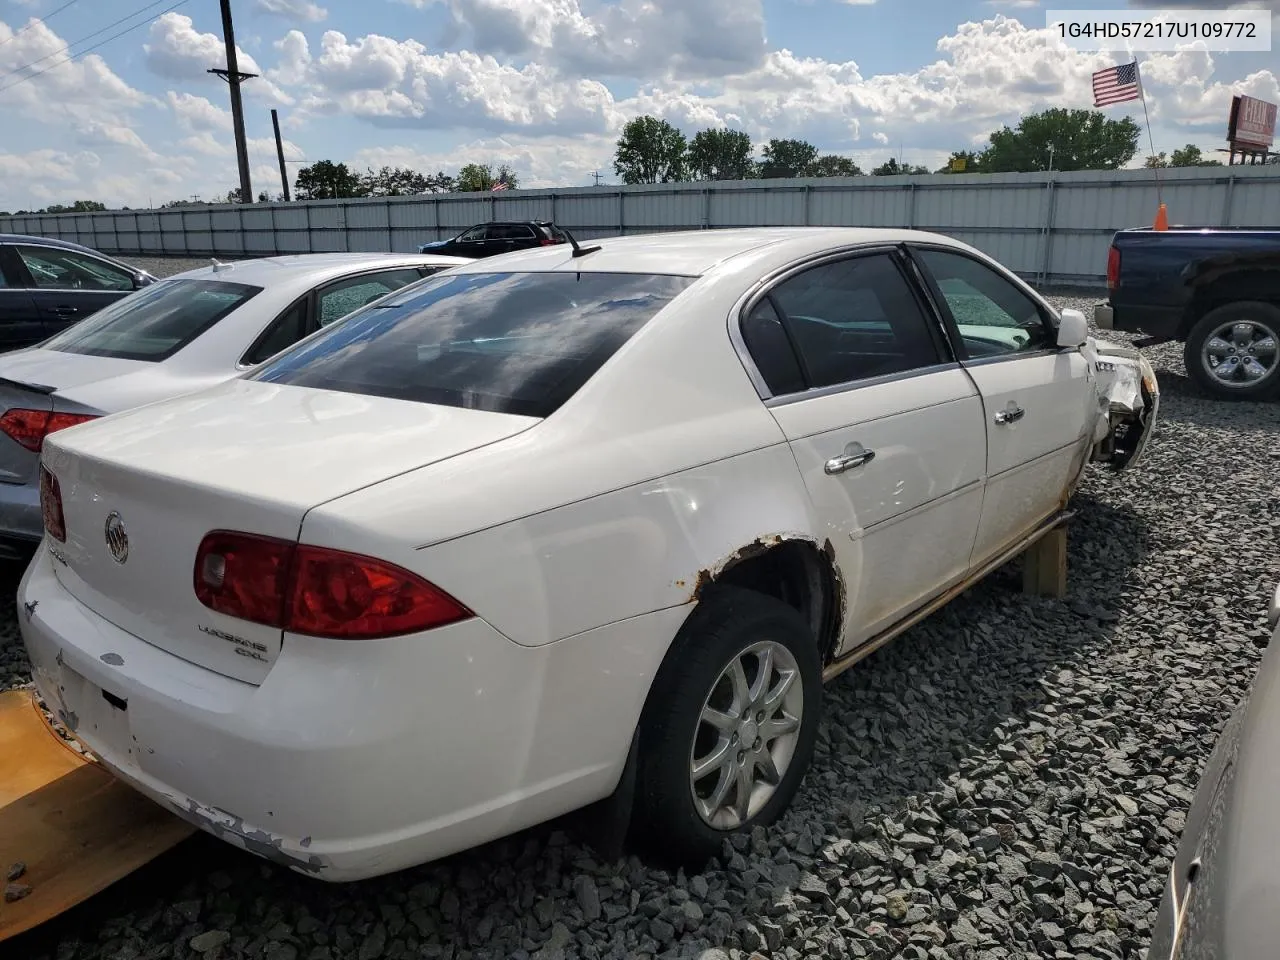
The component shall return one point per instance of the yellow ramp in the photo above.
(76, 827)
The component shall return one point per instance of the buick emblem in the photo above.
(117, 538)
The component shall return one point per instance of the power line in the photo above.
(114, 36)
(90, 36)
(44, 19)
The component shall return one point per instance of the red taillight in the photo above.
(315, 590)
(51, 505)
(1113, 268)
(546, 242)
(30, 427)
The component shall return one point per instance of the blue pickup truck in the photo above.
(1216, 291)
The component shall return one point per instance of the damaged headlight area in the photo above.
(1129, 403)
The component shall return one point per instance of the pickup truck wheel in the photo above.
(1232, 351)
(729, 727)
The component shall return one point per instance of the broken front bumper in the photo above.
(1129, 404)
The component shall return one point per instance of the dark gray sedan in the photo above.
(1223, 891)
(47, 285)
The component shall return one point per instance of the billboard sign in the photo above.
(1252, 123)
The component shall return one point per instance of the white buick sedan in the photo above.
(569, 525)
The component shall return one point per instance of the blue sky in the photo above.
(544, 85)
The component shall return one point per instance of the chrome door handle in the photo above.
(855, 455)
(1010, 414)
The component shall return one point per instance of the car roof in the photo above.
(51, 242)
(272, 271)
(693, 253)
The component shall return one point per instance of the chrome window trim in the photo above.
(849, 386)
(1007, 357)
(765, 285)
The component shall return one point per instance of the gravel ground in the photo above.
(1007, 780)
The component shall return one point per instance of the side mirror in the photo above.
(1073, 329)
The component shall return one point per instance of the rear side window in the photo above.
(155, 322)
(519, 343)
(855, 319)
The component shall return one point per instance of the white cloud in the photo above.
(197, 113)
(303, 10)
(177, 51)
(629, 38)
(41, 83)
(398, 83)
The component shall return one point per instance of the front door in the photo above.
(20, 324)
(886, 429)
(68, 286)
(1038, 399)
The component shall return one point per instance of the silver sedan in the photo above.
(1220, 898)
(178, 335)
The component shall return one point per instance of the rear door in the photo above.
(885, 427)
(20, 324)
(1038, 399)
(68, 286)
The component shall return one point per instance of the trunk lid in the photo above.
(29, 379)
(247, 456)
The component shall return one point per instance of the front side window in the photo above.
(519, 343)
(54, 269)
(472, 235)
(155, 322)
(993, 316)
(850, 320)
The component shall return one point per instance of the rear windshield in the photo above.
(155, 322)
(519, 343)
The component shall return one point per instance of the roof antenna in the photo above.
(578, 251)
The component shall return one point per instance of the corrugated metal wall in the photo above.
(1052, 228)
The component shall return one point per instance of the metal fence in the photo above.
(1052, 228)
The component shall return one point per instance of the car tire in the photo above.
(731, 625)
(1240, 329)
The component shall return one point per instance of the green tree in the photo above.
(1077, 139)
(404, 182)
(324, 180)
(79, 206)
(784, 159)
(720, 155)
(1191, 156)
(1156, 160)
(476, 177)
(891, 168)
(650, 151)
(832, 165)
(972, 162)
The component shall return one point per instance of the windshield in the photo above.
(520, 343)
(155, 322)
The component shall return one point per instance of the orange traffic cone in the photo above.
(1162, 218)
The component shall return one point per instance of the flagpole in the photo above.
(1142, 92)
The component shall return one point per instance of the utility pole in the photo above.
(234, 78)
(284, 174)
(596, 177)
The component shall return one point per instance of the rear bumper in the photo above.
(352, 759)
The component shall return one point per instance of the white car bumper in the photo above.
(352, 759)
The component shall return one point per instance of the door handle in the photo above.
(1010, 414)
(855, 455)
(66, 311)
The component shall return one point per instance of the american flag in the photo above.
(1116, 85)
(500, 185)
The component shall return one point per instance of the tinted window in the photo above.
(994, 316)
(55, 269)
(344, 296)
(286, 330)
(771, 350)
(855, 319)
(154, 323)
(475, 233)
(519, 343)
